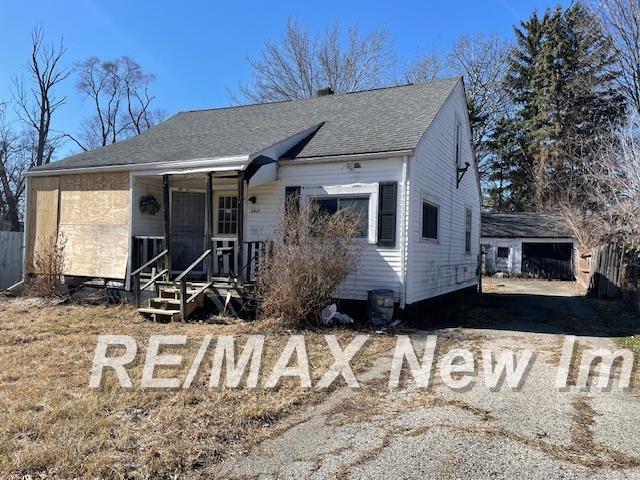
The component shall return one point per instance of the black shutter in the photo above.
(387, 205)
(292, 197)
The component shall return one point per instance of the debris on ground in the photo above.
(330, 315)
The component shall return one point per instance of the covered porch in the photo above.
(189, 238)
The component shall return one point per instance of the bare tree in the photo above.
(17, 154)
(36, 103)
(425, 69)
(300, 64)
(483, 62)
(621, 19)
(608, 206)
(119, 91)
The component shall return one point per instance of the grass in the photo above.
(52, 424)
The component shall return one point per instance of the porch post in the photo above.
(240, 229)
(167, 222)
(208, 228)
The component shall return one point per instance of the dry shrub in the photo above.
(310, 254)
(49, 265)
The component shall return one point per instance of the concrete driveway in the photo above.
(535, 432)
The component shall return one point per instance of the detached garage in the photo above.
(529, 244)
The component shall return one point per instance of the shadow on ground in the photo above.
(537, 312)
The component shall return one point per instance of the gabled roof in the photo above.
(381, 120)
(531, 225)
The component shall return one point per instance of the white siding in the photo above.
(379, 267)
(435, 268)
(145, 224)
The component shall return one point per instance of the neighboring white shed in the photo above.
(529, 244)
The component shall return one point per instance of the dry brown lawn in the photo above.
(53, 425)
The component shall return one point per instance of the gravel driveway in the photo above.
(535, 432)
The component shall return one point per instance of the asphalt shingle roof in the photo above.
(515, 225)
(380, 120)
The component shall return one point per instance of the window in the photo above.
(503, 252)
(359, 206)
(458, 130)
(467, 231)
(430, 220)
(227, 215)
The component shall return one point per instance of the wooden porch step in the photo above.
(167, 300)
(155, 312)
(190, 290)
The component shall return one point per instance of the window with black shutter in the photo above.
(387, 206)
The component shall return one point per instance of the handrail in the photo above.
(193, 265)
(153, 279)
(199, 291)
(153, 260)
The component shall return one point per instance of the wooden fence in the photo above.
(614, 272)
(10, 258)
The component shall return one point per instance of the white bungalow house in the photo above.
(183, 210)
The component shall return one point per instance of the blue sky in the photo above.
(198, 49)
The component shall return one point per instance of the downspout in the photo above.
(25, 236)
(405, 232)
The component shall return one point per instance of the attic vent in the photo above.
(323, 92)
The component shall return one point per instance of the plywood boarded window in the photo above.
(94, 219)
(42, 215)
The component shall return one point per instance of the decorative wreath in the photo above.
(149, 205)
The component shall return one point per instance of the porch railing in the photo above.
(155, 275)
(149, 263)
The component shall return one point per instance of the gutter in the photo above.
(350, 157)
(237, 161)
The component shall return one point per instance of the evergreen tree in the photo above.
(507, 162)
(524, 85)
(563, 86)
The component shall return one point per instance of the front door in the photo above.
(187, 229)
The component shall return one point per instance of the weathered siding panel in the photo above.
(379, 267)
(435, 268)
(42, 215)
(10, 258)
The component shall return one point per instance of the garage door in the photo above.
(548, 260)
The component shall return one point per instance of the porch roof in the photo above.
(381, 120)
